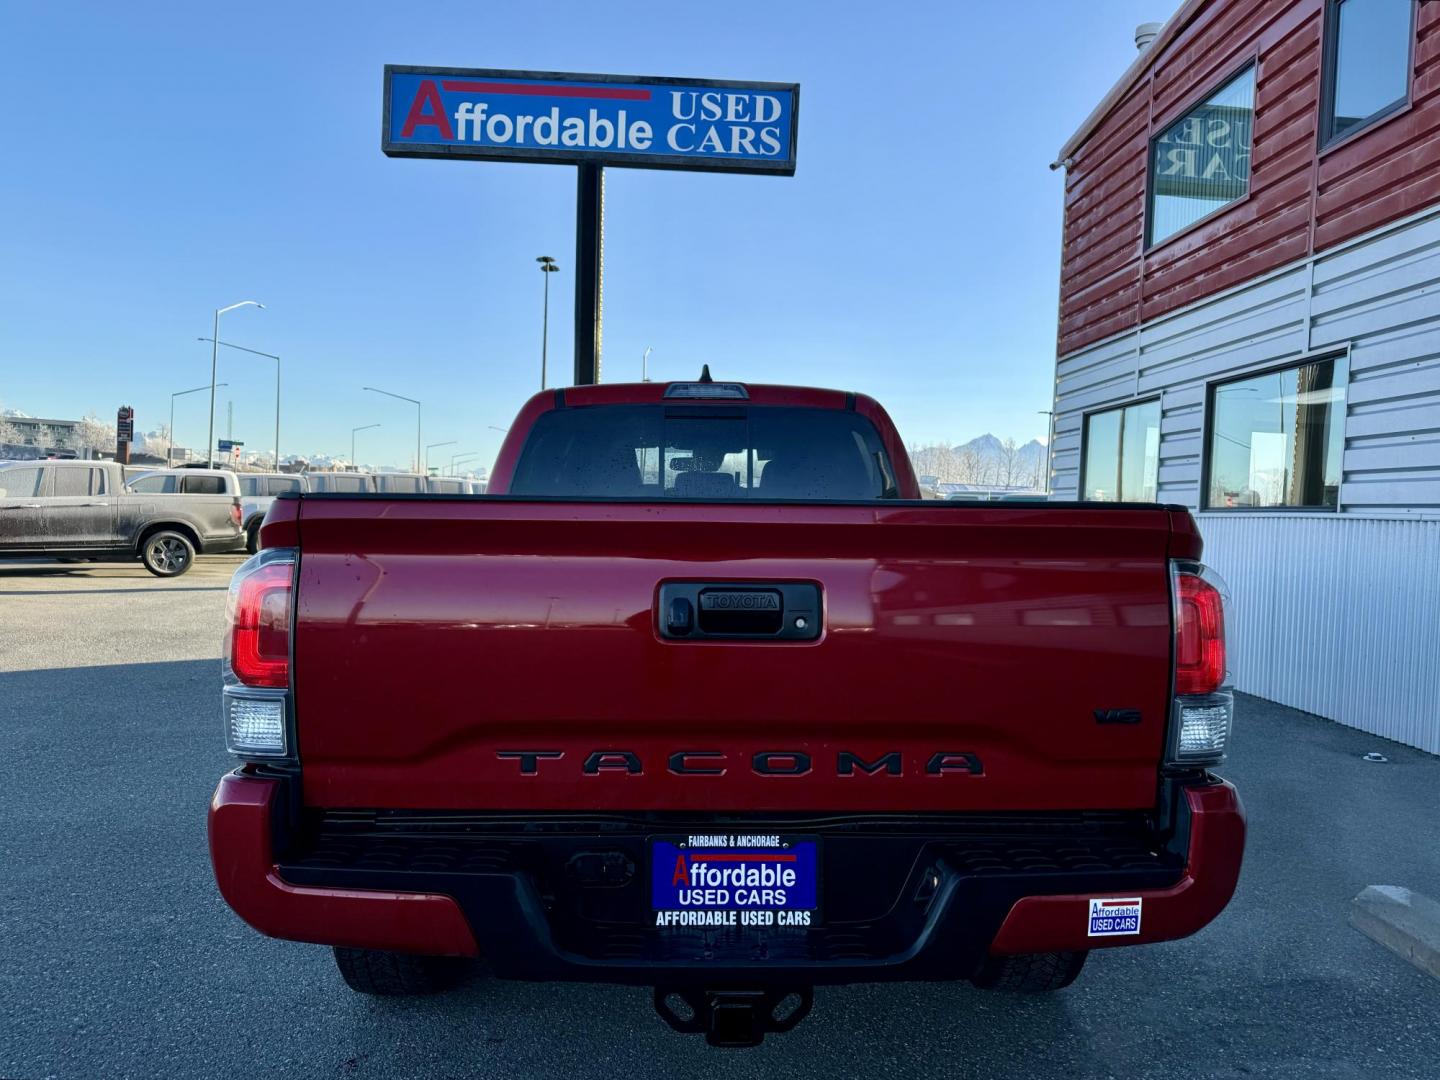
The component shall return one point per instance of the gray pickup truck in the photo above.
(82, 509)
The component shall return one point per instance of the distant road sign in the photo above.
(549, 117)
(125, 424)
(226, 445)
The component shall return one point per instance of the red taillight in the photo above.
(1199, 636)
(259, 651)
(235, 515)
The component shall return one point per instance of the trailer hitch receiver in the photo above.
(733, 1017)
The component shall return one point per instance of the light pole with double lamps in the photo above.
(170, 447)
(353, 430)
(214, 361)
(417, 405)
(271, 356)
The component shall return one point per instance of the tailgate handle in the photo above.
(730, 610)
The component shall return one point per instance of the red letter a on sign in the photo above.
(682, 872)
(435, 117)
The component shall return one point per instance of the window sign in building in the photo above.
(1122, 453)
(1277, 439)
(1367, 63)
(1201, 162)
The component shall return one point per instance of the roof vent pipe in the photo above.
(1145, 33)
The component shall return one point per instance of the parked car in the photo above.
(400, 483)
(996, 495)
(344, 483)
(181, 481)
(811, 729)
(257, 492)
(446, 485)
(187, 480)
(82, 509)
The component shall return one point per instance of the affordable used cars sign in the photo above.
(608, 119)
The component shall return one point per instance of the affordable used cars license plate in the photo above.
(735, 879)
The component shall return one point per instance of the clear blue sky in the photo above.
(165, 160)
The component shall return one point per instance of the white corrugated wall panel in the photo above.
(1336, 616)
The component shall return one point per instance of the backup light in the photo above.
(255, 724)
(1202, 728)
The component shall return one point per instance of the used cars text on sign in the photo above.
(607, 119)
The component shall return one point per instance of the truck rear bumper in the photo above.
(560, 899)
(246, 817)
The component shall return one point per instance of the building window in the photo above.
(1201, 162)
(1122, 453)
(1367, 63)
(1277, 439)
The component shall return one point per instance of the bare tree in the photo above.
(970, 466)
(157, 442)
(11, 434)
(95, 435)
(1008, 464)
(988, 464)
(936, 459)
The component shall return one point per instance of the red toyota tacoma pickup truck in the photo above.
(703, 697)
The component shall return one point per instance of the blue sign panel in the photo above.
(607, 119)
(734, 874)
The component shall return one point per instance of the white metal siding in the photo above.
(1336, 616)
(1377, 296)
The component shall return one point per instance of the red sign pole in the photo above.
(124, 433)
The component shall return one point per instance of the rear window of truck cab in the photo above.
(703, 452)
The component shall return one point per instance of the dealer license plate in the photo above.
(735, 879)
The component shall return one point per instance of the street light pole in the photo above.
(170, 447)
(417, 405)
(272, 356)
(431, 446)
(644, 365)
(353, 430)
(455, 459)
(214, 361)
(548, 266)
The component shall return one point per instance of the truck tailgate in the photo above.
(505, 655)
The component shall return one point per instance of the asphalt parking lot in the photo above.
(120, 959)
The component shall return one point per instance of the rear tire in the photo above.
(167, 553)
(252, 538)
(1030, 973)
(392, 974)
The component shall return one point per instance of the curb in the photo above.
(1405, 922)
